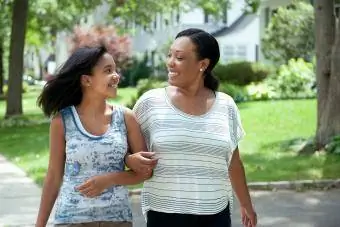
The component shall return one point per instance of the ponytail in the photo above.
(210, 81)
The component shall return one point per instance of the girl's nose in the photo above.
(116, 76)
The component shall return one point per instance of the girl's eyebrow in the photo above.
(108, 66)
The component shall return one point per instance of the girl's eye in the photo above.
(108, 71)
(179, 58)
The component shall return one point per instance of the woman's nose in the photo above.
(170, 62)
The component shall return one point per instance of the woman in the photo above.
(89, 139)
(194, 131)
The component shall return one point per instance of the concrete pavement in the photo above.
(284, 209)
(20, 197)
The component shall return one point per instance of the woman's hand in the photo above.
(249, 217)
(141, 162)
(94, 186)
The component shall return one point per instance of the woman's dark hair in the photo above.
(64, 89)
(206, 47)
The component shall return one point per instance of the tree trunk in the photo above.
(40, 62)
(328, 74)
(14, 95)
(1, 66)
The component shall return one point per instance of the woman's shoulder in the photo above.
(225, 98)
(151, 96)
(152, 93)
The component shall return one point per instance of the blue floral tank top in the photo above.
(88, 155)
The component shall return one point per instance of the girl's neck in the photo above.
(92, 106)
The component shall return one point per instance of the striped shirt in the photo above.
(194, 152)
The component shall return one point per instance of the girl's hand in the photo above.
(94, 186)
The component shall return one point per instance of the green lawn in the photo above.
(268, 150)
(271, 127)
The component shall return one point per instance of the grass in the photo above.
(124, 96)
(272, 128)
(268, 151)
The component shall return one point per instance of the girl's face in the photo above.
(104, 80)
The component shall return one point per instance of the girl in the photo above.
(89, 139)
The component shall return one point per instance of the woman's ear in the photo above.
(204, 64)
(85, 80)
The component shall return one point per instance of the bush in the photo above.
(139, 69)
(334, 145)
(25, 88)
(145, 85)
(260, 91)
(290, 33)
(294, 80)
(238, 93)
(242, 73)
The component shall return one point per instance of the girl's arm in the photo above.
(55, 171)
(97, 184)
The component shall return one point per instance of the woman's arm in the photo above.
(55, 171)
(239, 184)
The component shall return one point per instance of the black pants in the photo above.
(159, 219)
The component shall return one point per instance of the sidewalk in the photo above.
(20, 198)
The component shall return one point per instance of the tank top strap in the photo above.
(68, 120)
(118, 119)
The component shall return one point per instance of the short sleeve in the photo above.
(236, 129)
(141, 109)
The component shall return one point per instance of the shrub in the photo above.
(238, 93)
(242, 73)
(119, 46)
(290, 33)
(25, 88)
(143, 86)
(294, 80)
(334, 145)
(260, 91)
(139, 69)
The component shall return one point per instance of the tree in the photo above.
(51, 16)
(118, 46)
(45, 18)
(290, 34)
(19, 19)
(4, 30)
(327, 36)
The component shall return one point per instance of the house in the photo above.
(238, 33)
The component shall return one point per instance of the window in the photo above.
(237, 52)
(225, 13)
(266, 16)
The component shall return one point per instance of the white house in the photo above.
(239, 34)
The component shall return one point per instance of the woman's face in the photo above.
(104, 80)
(183, 64)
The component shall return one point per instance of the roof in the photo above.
(240, 23)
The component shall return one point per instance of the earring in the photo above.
(201, 70)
